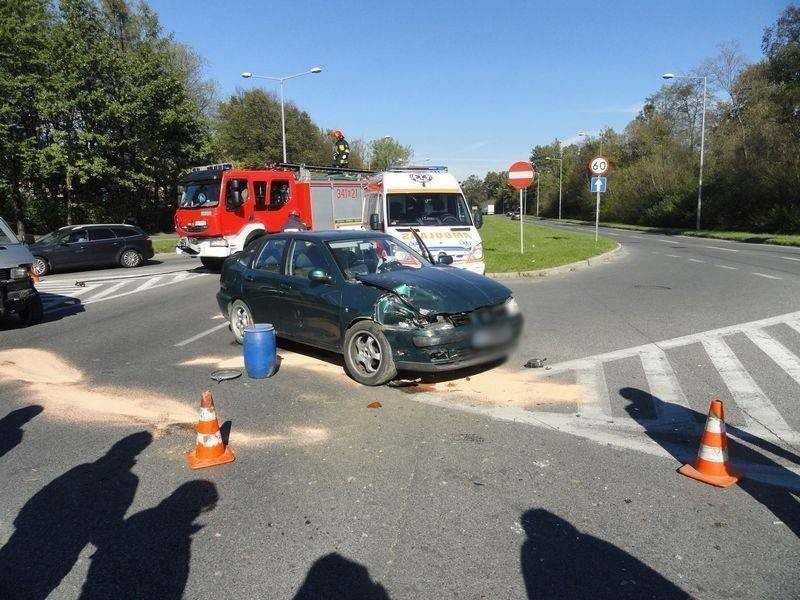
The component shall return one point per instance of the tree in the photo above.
(386, 152)
(475, 191)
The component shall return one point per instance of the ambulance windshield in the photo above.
(200, 194)
(428, 209)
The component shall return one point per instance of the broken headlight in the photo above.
(391, 311)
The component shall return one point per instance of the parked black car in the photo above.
(79, 246)
(371, 298)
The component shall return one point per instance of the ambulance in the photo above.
(427, 201)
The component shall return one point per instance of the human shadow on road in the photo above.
(334, 577)
(11, 431)
(558, 561)
(85, 504)
(782, 499)
(148, 556)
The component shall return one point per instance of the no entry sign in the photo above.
(521, 174)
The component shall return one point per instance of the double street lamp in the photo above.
(249, 75)
(702, 139)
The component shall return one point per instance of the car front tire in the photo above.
(239, 317)
(33, 313)
(212, 264)
(40, 266)
(368, 355)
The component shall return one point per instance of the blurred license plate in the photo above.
(495, 336)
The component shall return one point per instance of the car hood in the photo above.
(14, 255)
(436, 290)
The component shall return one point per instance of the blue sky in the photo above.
(468, 84)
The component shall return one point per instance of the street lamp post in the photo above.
(560, 173)
(702, 141)
(248, 75)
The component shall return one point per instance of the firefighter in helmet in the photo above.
(342, 154)
(294, 222)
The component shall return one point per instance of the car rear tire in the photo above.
(368, 355)
(130, 259)
(33, 313)
(239, 317)
(40, 266)
(212, 264)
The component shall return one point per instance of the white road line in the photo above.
(128, 293)
(780, 354)
(598, 405)
(727, 267)
(107, 291)
(794, 324)
(180, 277)
(762, 417)
(638, 237)
(194, 338)
(696, 260)
(672, 255)
(764, 275)
(663, 383)
(718, 248)
(148, 284)
(668, 242)
(790, 258)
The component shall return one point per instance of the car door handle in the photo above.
(248, 278)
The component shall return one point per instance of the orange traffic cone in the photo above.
(209, 450)
(711, 464)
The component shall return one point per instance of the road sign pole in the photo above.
(521, 246)
(597, 215)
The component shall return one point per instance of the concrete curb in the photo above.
(568, 268)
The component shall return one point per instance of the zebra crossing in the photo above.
(675, 408)
(62, 293)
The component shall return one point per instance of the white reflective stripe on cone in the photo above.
(715, 425)
(207, 414)
(712, 454)
(209, 440)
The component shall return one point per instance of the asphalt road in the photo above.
(510, 483)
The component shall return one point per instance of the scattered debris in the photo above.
(225, 375)
(401, 383)
(80, 283)
(535, 363)
(374, 405)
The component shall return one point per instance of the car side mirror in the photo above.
(29, 239)
(375, 222)
(319, 276)
(478, 219)
(444, 259)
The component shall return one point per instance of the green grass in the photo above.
(736, 236)
(544, 247)
(164, 245)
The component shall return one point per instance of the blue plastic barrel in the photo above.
(259, 350)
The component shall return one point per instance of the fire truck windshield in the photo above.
(200, 194)
(429, 209)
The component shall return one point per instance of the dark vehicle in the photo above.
(79, 246)
(17, 293)
(371, 298)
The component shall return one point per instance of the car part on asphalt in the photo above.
(535, 363)
(225, 375)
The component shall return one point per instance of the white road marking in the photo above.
(194, 338)
(790, 258)
(180, 277)
(668, 242)
(672, 255)
(107, 291)
(598, 405)
(663, 383)
(148, 284)
(780, 354)
(761, 416)
(718, 248)
(794, 324)
(696, 260)
(764, 275)
(727, 267)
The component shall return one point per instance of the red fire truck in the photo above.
(222, 209)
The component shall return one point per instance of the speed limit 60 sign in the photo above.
(598, 165)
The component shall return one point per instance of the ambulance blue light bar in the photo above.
(216, 167)
(431, 169)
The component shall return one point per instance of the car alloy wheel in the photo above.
(368, 355)
(240, 318)
(367, 352)
(130, 258)
(39, 266)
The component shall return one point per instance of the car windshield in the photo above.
(50, 237)
(6, 235)
(200, 194)
(429, 209)
(367, 256)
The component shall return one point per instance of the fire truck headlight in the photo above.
(219, 242)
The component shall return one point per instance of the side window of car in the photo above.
(101, 233)
(77, 236)
(260, 190)
(271, 256)
(307, 256)
(125, 232)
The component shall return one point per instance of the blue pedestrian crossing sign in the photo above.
(598, 184)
